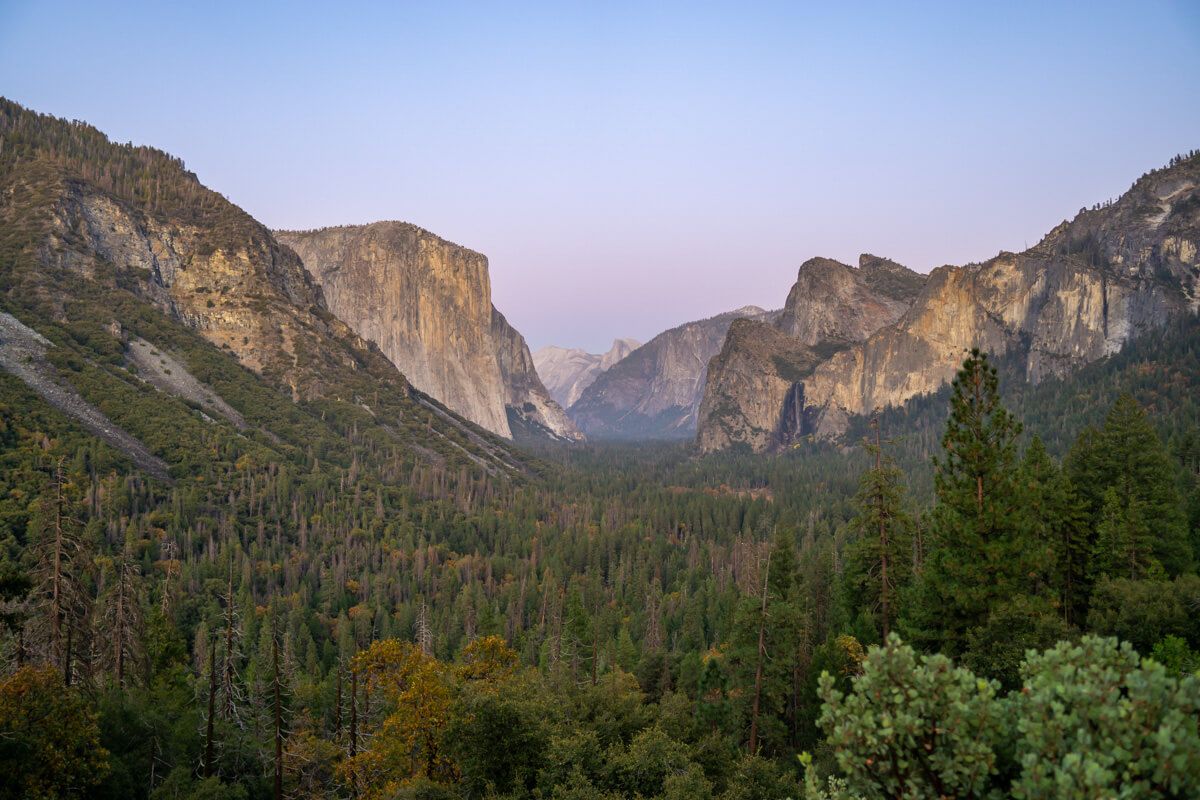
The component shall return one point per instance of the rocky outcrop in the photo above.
(1092, 284)
(754, 394)
(427, 303)
(655, 391)
(748, 385)
(234, 283)
(99, 235)
(566, 372)
(835, 303)
(1088, 287)
(531, 410)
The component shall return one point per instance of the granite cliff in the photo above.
(750, 395)
(566, 372)
(530, 409)
(1093, 283)
(426, 303)
(120, 249)
(655, 391)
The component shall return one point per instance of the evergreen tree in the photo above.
(1128, 456)
(767, 652)
(879, 561)
(978, 550)
(61, 551)
(1123, 540)
(1058, 530)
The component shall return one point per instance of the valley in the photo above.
(300, 514)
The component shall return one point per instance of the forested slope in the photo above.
(352, 593)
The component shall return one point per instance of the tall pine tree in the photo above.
(1058, 530)
(978, 542)
(879, 560)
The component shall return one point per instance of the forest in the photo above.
(955, 607)
(991, 591)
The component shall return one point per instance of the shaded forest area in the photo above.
(632, 621)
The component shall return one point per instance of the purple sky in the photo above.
(626, 170)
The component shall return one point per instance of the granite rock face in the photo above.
(238, 287)
(748, 385)
(1093, 283)
(566, 372)
(655, 391)
(1088, 287)
(753, 394)
(426, 303)
(530, 408)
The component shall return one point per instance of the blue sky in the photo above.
(627, 167)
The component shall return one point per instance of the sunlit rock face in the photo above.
(426, 303)
(754, 395)
(1092, 284)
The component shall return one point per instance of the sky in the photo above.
(629, 167)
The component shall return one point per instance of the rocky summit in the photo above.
(566, 372)
(427, 303)
(1114, 272)
(750, 395)
(655, 391)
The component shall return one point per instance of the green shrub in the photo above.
(914, 726)
(1095, 721)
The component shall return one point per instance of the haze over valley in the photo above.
(590, 403)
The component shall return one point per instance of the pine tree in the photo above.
(879, 561)
(60, 593)
(767, 652)
(121, 621)
(1127, 455)
(1057, 530)
(978, 553)
(1124, 542)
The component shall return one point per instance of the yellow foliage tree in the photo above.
(407, 745)
(488, 659)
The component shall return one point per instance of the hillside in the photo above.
(104, 246)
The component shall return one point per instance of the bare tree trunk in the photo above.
(68, 656)
(212, 707)
(762, 650)
(57, 602)
(227, 668)
(337, 711)
(119, 637)
(353, 728)
(278, 716)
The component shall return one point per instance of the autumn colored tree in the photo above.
(407, 744)
(49, 742)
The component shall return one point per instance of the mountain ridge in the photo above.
(1091, 284)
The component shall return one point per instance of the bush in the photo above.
(1090, 720)
(914, 727)
(1094, 721)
